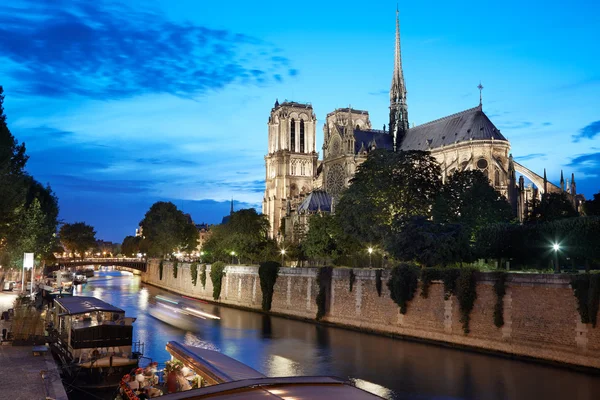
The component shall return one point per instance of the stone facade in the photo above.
(540, 311)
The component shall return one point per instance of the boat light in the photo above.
(201, 313)
(166, 299)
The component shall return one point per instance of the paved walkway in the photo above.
(24, 376)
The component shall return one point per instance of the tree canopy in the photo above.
(387, 187)
(78, 237)
(467, 198)
(166, 229)
(592, 207)
(245, 234)
(28, 210)
(131, 245)
(326, 241)
(552, 207)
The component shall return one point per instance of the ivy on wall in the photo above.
(586, 288)
(267, 273)
(203, 276)
(352, 279)
(217, 272)
(466, 294)
(403, 284)
(324, 280)
(378, 282)
(194, 272)
(500, 291)
(160, 269)
(175, 265)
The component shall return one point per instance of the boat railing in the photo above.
(137, 349)
(101, 336)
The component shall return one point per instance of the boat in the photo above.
(79, 279)
(197, 373)
(93, 342)
(178, 313)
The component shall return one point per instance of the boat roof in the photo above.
(231, 379)
(85, 304)
(297, 388)
(217, 367)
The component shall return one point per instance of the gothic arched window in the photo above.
(293, 135)
(497, 178)
(301, 136)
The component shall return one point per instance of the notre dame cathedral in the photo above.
(298, 184)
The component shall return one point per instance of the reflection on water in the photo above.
(392, 368)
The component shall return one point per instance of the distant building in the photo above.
(203, 234)
(298, 184)
(139, 231)
(226, 218)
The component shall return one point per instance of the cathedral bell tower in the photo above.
(291, 161)
(398, 107)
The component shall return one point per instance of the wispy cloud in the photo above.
(589, 164)
(382, 92)
(102, 50)
(530, 156)
(588, 132)
(515, 125)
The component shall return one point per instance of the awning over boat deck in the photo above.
(84, 304)
(297, 388)
(214, 366)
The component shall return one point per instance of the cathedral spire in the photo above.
(562, 181)
(398, 107)
(231, 209)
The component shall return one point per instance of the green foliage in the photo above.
(592, 207)
(78, 237)
(131, 245)
(586, 288)
(500, 291)
(388, 186)
(217, 273)
(245, 233)
(447, 275)
(267, 272)
(427, 276)
(420, 240)
(194, 272)
(378, 281)
(352, 279)
(403, 284)
(324, 280)
(552, 207)
(466, 295)
(203, 276)
(160, 269)
(167, 229)
(467, 198)
(325, 241)
(175, 268)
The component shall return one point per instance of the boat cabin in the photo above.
(90, 329)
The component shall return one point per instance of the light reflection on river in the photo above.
(283, 347)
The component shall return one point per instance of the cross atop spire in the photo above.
(480, 87)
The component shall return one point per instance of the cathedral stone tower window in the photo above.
(497, 178)
(335, 180)
(301, 136)
(482, 163)
(293, 135)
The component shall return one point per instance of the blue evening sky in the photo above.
(123, 103)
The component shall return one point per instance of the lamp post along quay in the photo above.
(370, 250)
(283, 257)
(556, 248)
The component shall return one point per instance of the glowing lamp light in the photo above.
(233, 253)
(556, 246)
(370, 250)
(282, 251)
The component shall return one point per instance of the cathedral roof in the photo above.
(366, 138)
(317, 200)
(461, 127)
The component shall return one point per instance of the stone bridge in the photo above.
(133, 263)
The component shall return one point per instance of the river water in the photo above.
(391, 368)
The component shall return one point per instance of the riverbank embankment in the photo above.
(541, 320)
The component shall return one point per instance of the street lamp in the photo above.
(556, 248)
(201, 255)
(370, 250)
(283, 257)
(232, 254)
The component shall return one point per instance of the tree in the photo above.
(552, 207)
(78, 237)
(12, 164)
(245, 234)
(166, 229)
(387, 187)
(467, 198)
(427, 243)
(592, 207)
(325, 240)
(131, 245)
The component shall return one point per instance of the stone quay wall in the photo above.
(541, 320)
